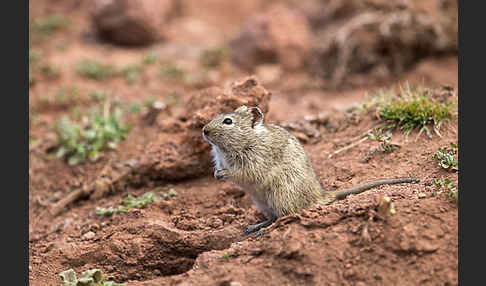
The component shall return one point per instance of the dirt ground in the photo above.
(196, 237)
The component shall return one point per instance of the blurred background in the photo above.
(115, 83)
(144, 48)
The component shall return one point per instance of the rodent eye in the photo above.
(227, 121)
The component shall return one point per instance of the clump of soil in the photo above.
(276, 35)
(135, 22)
(184, 153)
(324, 246)
(379, 38)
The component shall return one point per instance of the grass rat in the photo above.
(271, 165)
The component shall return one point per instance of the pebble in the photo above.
(89, 235)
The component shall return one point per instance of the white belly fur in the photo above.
(218, 158)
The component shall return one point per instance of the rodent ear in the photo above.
(257, 116)
(241, 109)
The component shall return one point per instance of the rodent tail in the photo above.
(341, 194)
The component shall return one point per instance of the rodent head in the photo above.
(236, 130)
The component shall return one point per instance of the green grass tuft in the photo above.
(132, 72)
(411, 109)
(98, 71)
(140, 203)
(98, 96)
(67, 95)
(214, 57)
(34, 57)
(95, 70)
(172, 72)
(130, 202)
(50, 71)
(48, 25)
(97, 132)
(149, 59)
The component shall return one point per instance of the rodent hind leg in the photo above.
(260, 227)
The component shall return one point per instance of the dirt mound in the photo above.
(379, 38)
(336, 255)
(275, 35)
(134, 22)
(342, 244)
(184, 153)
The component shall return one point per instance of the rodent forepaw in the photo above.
(220, 174)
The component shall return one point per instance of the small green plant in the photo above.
(65, 95)
(134, 107)
(168, 195)
(214, 57)
(33, 119)
(32, 78)
(98, 131)
(384, 145)
(149, 59)
(140, 203)
(111, 210)
(148, 102)
(172, 193)
(446, 187)
(131, 72)
(409, 109)
(172, 72)
(98, 71)
(95, 70)
(447, 157)
(392, 209)
(130, 202)
(50, 71)
(384, 138)
(91, 277)
(99, 96)
(48, 25)
(34, 56)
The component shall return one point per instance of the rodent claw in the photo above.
(260, 232)
(219, 174)
(260, 227)
(251, 229)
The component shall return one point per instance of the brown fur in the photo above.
(270, 164)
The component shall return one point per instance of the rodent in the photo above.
(271, 165)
